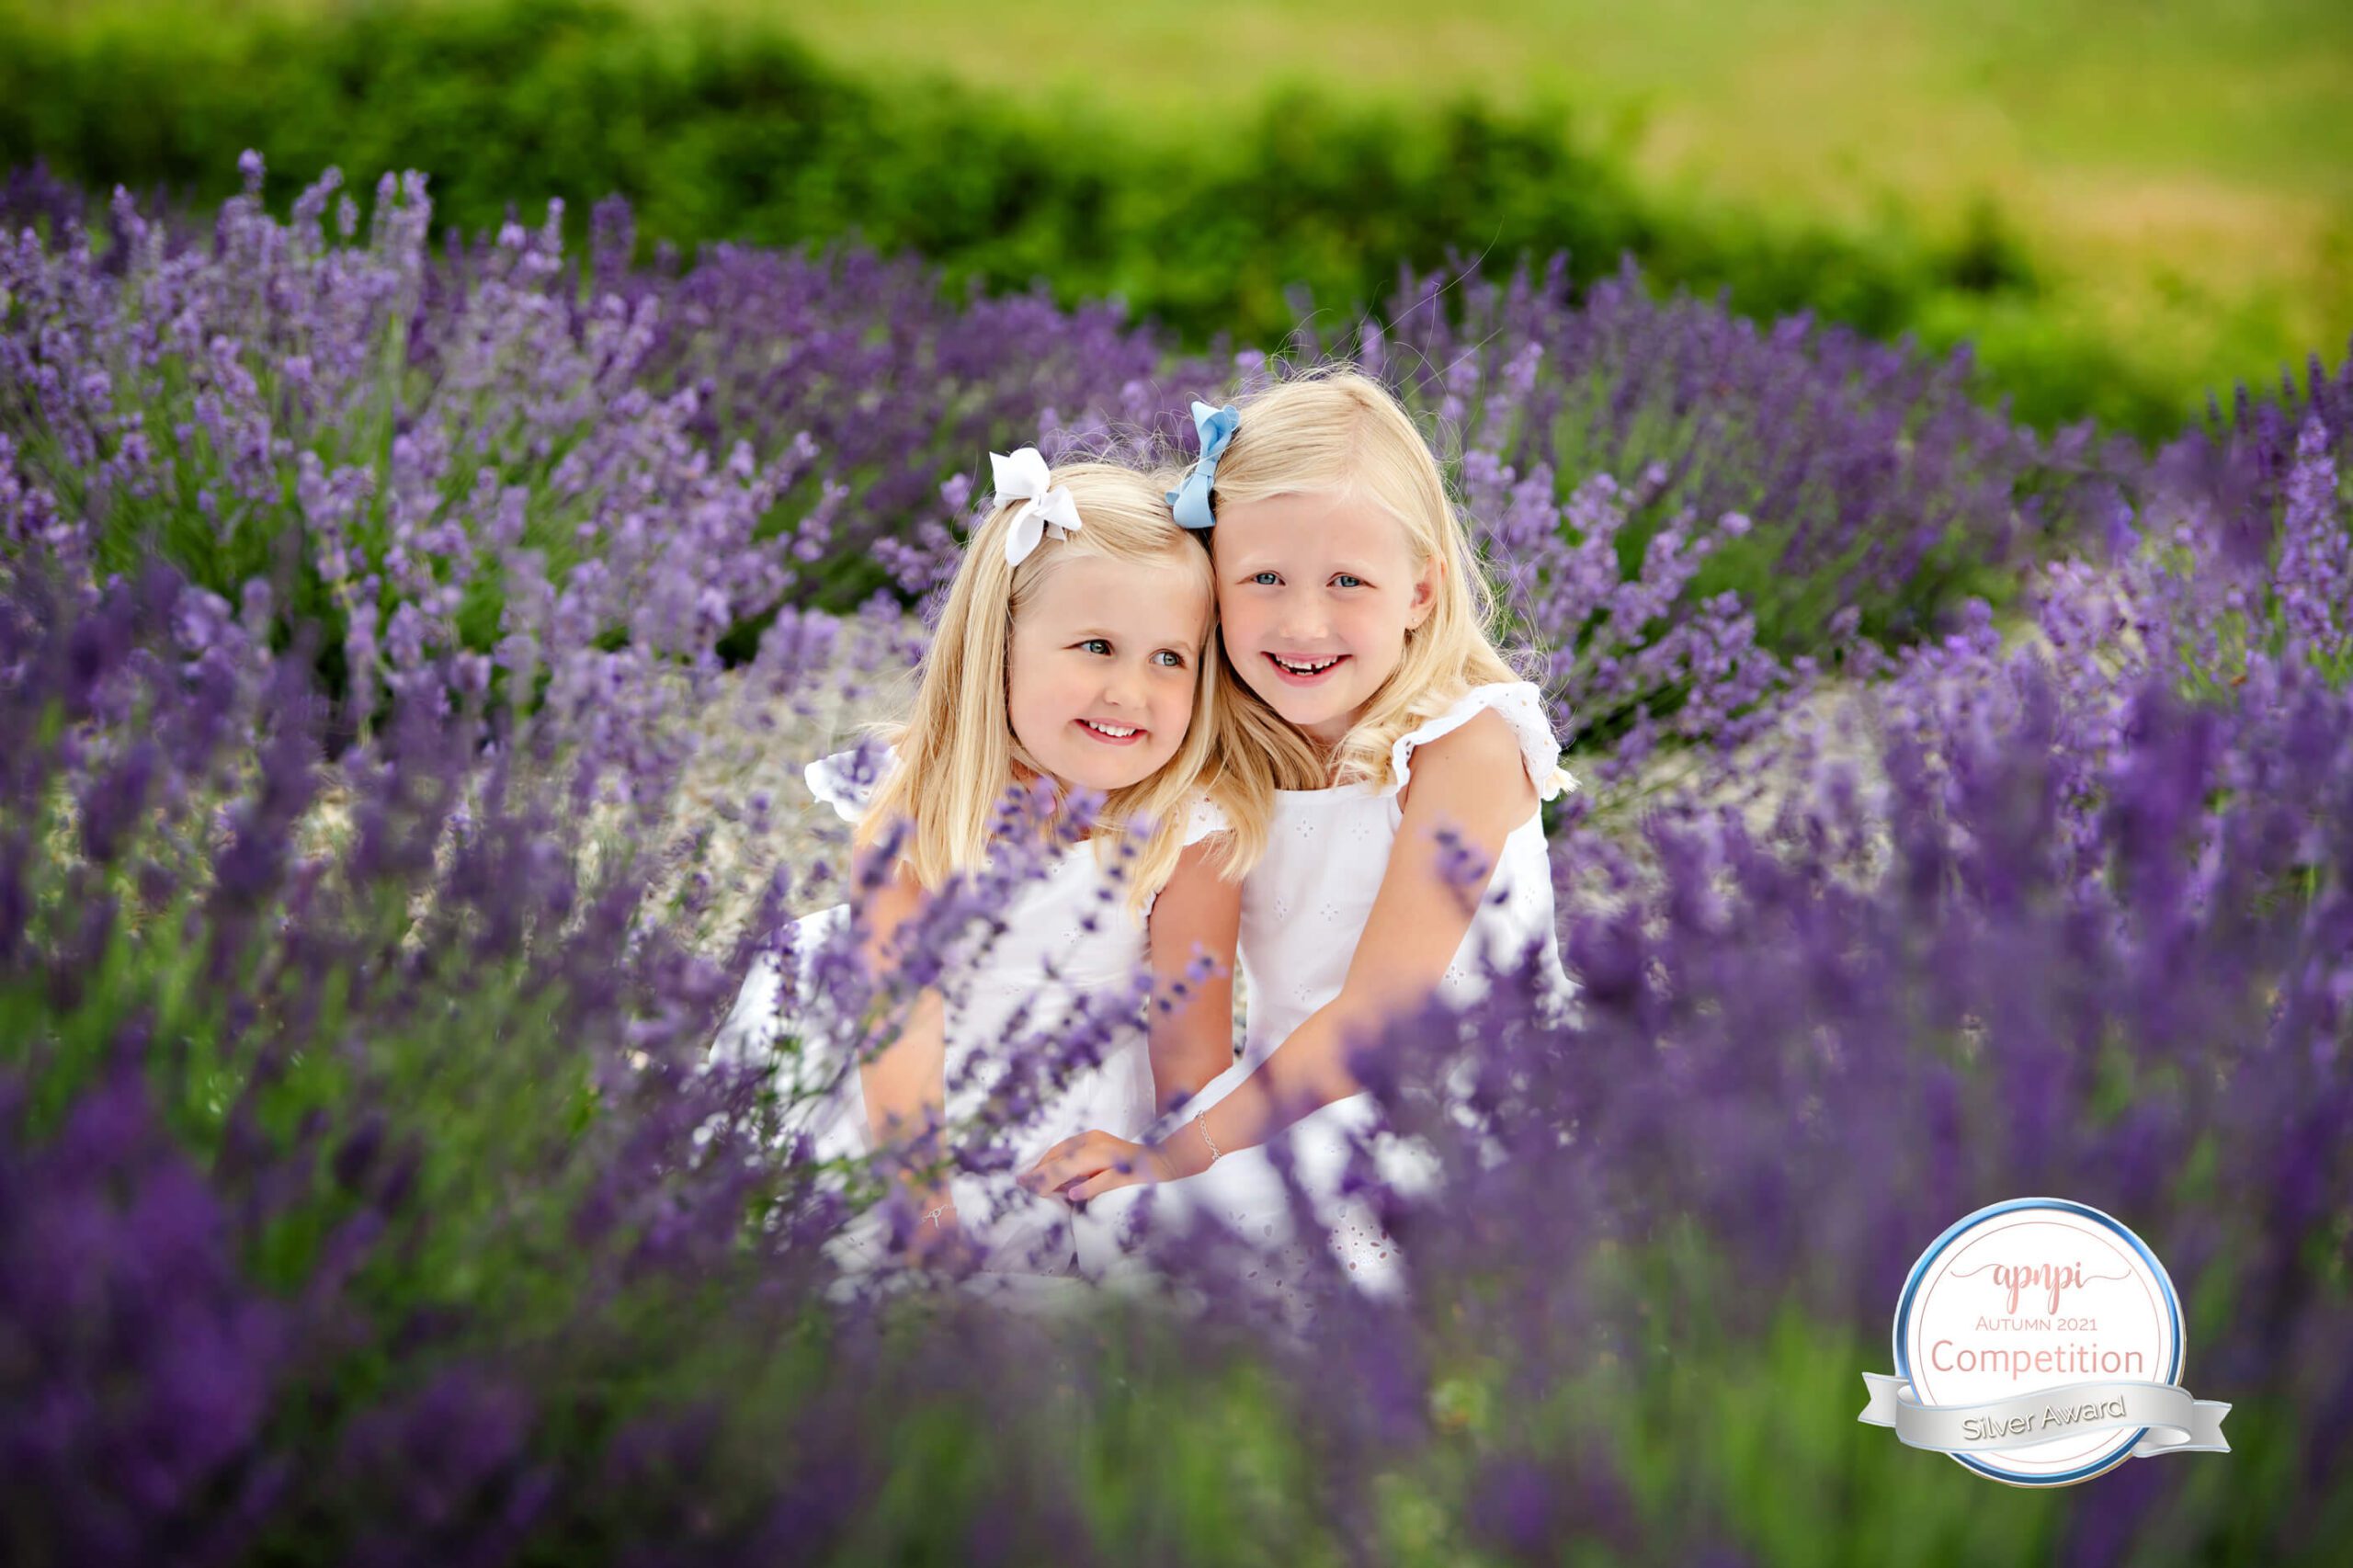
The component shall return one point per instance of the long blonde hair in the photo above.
(1335, 430)
(957, 750)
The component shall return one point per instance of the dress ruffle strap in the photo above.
(843, 784)
(1522, 707)
(1206, 819)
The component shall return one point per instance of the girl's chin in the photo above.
(1091, 772)
(1303, 705)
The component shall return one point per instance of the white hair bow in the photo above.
(1023, 477)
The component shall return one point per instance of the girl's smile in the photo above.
(1300, 669)
(1111, 733)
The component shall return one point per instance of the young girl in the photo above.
(1368, 712)
(1070, 650)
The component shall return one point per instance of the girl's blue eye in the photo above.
(1353, 580)
(1102, 642)
(1173, 654)
(1259, 575)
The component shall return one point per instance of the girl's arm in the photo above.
(1472, 781)
(1192, 1034)
(905, 1084)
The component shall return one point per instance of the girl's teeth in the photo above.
(1107, 730)
(1305, 669)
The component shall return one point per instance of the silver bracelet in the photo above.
(1204, 1128)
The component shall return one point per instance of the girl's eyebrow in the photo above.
(1082, 636)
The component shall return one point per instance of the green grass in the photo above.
(1832, 104)
(2186, 167)
(2182, 173)
(2179, 177)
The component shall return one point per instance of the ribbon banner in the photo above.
(2178, 1423)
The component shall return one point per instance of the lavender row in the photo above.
(499, 450)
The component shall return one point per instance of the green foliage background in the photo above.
(721, 126)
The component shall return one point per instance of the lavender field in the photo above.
(408, 653)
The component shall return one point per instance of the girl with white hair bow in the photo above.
(1070, 656)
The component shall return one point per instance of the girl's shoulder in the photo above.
(1520, 705)
(1203, 819)
(848, 781)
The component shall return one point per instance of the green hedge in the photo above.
(721, 130)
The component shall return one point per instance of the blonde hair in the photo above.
(1335, 430)
(955, 750)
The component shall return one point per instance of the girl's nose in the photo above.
(1302, 629)
(1123, 687)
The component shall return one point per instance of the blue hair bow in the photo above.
(1190, 500)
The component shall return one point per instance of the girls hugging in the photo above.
(1277, 670)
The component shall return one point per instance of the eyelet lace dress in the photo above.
(1069, 942)
(1303, 910)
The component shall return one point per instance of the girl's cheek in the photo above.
(1178, 692)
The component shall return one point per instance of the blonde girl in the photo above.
(1070, 649)
(1367, 718)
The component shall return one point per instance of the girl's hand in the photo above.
(1095, 1162)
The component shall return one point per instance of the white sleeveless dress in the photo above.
(1303, 909)
(1043, 970)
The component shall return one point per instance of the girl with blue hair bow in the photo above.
(1374, 836)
